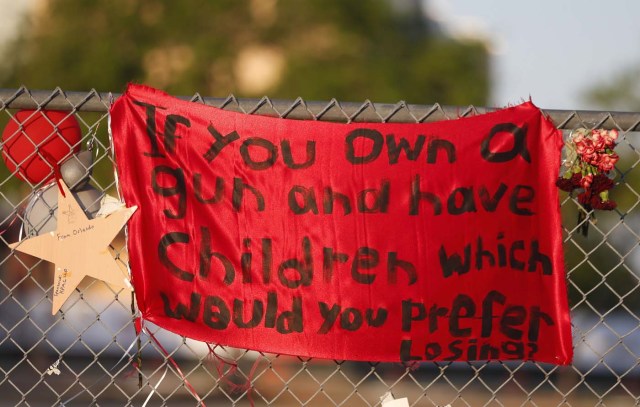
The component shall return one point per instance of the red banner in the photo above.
(361, 241)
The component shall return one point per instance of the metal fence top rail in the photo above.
(300, 109)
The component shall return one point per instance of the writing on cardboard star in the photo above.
(79, 247)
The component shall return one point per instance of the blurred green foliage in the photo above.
(622, 92)
(316, 49)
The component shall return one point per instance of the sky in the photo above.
(551, 51)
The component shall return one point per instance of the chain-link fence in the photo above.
(88, 353)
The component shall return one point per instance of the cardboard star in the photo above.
(79, 247)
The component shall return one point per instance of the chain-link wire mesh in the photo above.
(87, 354)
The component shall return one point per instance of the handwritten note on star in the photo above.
(79, 247)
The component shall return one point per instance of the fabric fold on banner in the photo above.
(362, 241)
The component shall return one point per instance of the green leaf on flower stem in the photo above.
(604, 195)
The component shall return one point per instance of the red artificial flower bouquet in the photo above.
(590, 160)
